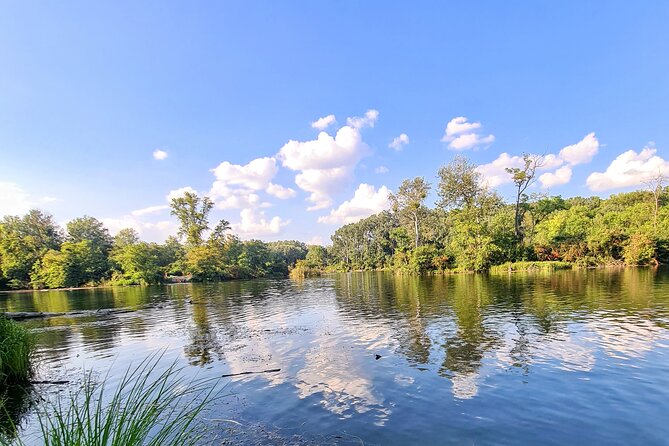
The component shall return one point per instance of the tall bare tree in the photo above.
(656, 186)
(523, 177)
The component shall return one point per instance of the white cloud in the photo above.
(369, 120)
(582, 152)
(551, 161)
(281, 192)
(557, 178)
(235, 198)
(325, 152)
(324, 122)
(324, 163)
(255, 175)
(629, 169)
(470, 141)
(321, 183)
(464, 135)
(159, 154)
(399, 142)
(366, 201)
(149, 210)
(254, 224)
(381, 169)
(14, 200)
(459, 125)
(177, 193)
(494, 173)
(237, 186)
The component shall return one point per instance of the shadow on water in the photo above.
(16, 402)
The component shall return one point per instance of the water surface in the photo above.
(573, 357)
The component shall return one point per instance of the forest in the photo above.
(471, 228)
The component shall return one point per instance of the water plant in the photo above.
(147, 407)
(16, 349)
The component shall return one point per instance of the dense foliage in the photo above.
(472, 228)
(35, 252)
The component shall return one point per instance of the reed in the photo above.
(146, 407)
(17, 345)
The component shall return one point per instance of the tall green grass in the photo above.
(147, 407)
(17, 345)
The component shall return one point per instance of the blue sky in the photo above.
(90, 90)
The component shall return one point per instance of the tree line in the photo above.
(471, 228)
(36, 253)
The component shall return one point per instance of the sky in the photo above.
(298, 117)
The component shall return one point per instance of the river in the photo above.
(570, 357)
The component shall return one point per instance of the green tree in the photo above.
(408, 204)
(460, 184)
(317, 257)
(23, 241)
(192, 213)
(140, 263)
(125, 237)
(92, 229)
(76, 264)
(100, 244)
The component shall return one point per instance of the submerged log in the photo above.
(251, 373)
(23, 315)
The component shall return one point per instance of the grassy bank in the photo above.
(530, 266)
(16, 349)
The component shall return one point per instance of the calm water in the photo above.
(565, 358)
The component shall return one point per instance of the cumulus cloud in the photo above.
(324, 163)
(255, 224)
(399, 142)
(366, 201)
(177, 193)
(381, 169)
(629, 169)
(582, 152)
(460, 134)
(280, 192)
(324, 122)
(159, 154)
(494, 173)
(325, 152)
(237, 186)
(557, 178)
(321, 183)
(235, 198)
(359, 122)
(255, 175)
